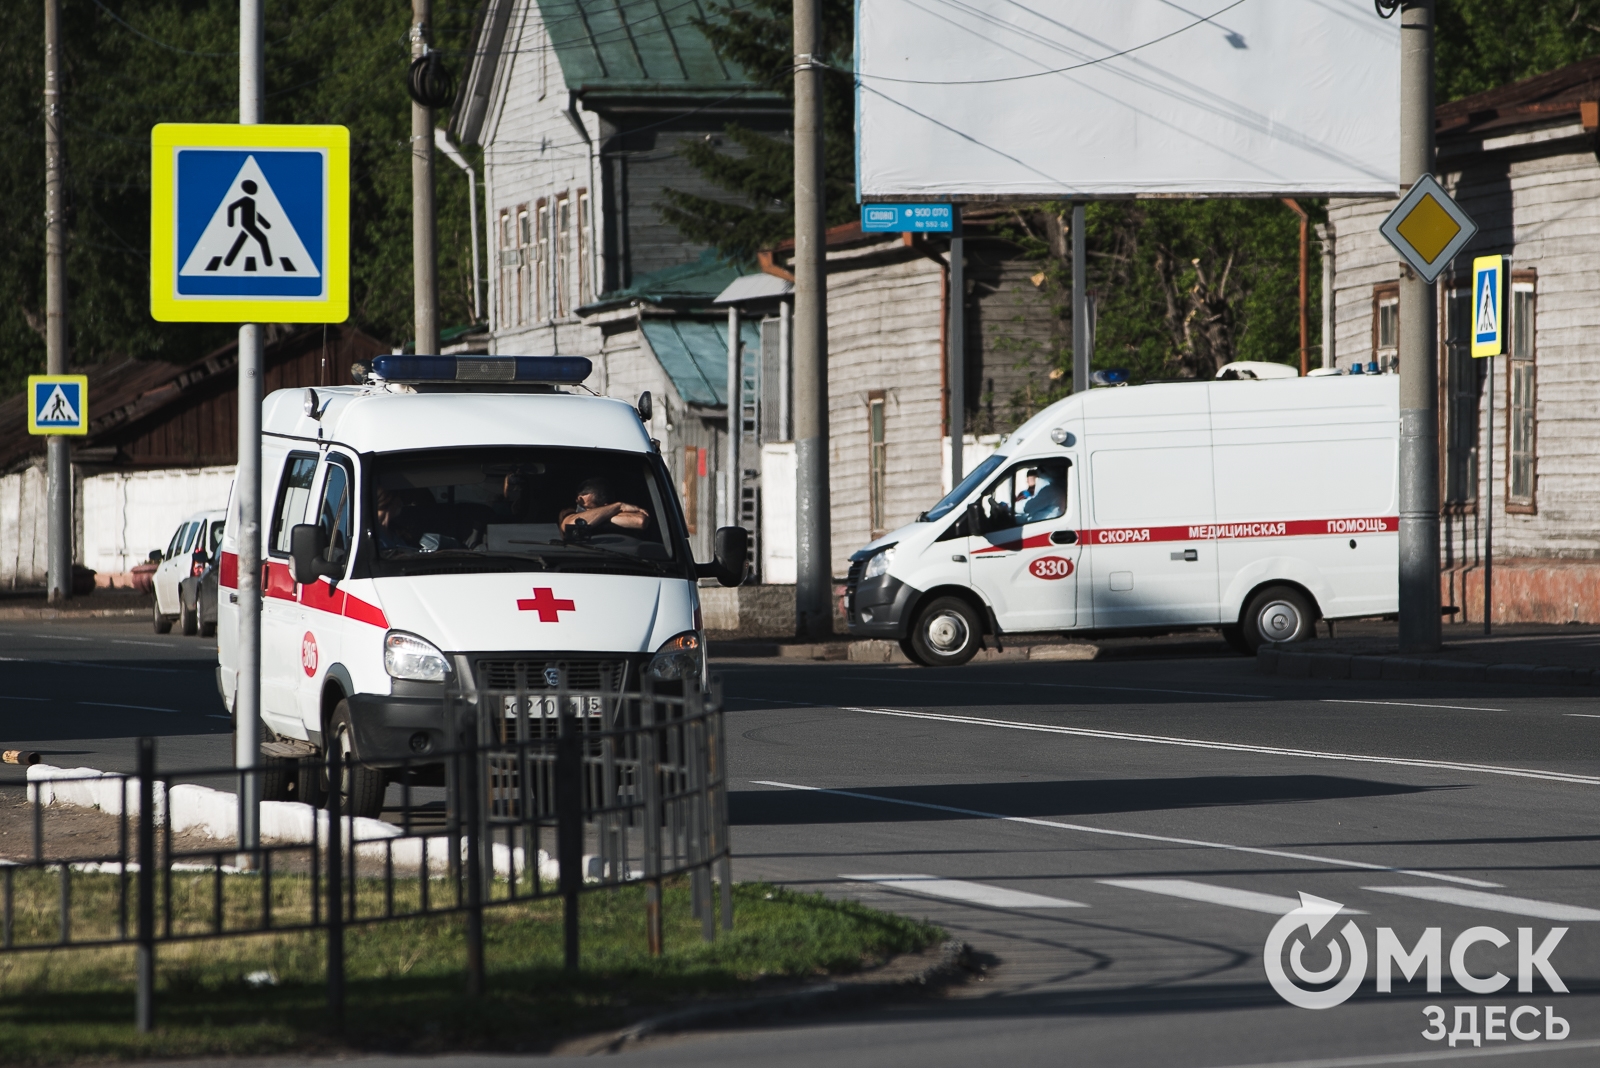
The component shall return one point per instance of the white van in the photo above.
(1256, 506)
(457, 517)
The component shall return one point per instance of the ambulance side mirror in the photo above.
(732, 549)
(306, 546)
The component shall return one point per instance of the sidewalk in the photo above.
(1550, 654)
(102, 604)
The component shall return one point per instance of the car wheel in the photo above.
(188, 621)
(1234, 636)
(361, 788)
(161, 623)
(947, 633)
(208, 628)
(1278, 614)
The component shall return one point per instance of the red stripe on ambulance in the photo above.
(1298, 528)
(319, 596)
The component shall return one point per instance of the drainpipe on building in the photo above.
(1325, 238)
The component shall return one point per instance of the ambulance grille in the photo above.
(606, 675)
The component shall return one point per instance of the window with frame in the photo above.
(508, 268)
(294, 493)
(541, 257)
(877, 462)
(563, 234)
(1460, 386)
(585, 250)
(691, 486)
(1521, 416)
(335, 515)
(1386, 327)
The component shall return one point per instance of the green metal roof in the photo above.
(694, 283)
(649, 45)
(694, 353)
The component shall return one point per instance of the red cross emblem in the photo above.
(544, 602)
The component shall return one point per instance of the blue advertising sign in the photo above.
(905, 218)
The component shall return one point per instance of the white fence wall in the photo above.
(125, 515)
(24, 531)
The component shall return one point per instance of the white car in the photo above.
(186, 554)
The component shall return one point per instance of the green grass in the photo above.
(406, 986)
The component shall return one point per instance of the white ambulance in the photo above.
(457, 517)
(1254, 506)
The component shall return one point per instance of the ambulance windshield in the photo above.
(517, 509)
(959, 494)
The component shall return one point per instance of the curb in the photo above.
(882, 651)
(1289, 663)
(954, 959)
(72, 613)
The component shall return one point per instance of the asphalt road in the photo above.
(1115, 839)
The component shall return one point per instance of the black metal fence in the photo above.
(613, 787)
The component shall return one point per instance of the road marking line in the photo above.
(972, 893)
(1581, 715)
(141, 708)
(1407, 704)
(1428, 1056)
(10, 698)
(1271, 904)
(1140, 836)
(129, 641)
(1477, 899)
(1233, 747)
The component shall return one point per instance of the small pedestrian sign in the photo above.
(249, 223)
(58, 404)
(1488, 306)
(1428, 228)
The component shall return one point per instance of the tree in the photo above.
(128, 64)
(758, 168)
(1484, 44)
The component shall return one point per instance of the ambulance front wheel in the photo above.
(1278, 614)
(947, 632)
(361, 788)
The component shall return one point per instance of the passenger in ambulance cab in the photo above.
(391, 531)
(1046, 498)
(595, 505)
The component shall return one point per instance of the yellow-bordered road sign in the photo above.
(1428, 228)
(249, 223)
(58, 404)
(1488, 305)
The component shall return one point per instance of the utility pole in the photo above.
(1419, 417)
(1080, 301)
(424, 260)
(813, 594)
(247, 488)
(957, 344)
(58, 456)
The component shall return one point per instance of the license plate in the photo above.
(546, 707)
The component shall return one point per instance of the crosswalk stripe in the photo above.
(1272, 904)
(972, 893)
(1477, 899)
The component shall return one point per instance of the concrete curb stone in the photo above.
(1452, 671)
(954, 959)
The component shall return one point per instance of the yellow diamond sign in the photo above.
(1428, 228)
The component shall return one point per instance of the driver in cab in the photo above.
(595, 507)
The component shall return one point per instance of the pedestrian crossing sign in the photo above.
(58, 404)
(1488, 306)
(249, 223)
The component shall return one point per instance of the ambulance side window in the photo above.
(334, 514)
(1034, 492)
(294, 491)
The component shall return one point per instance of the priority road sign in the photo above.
(58, 404)
(1488, 306)
(1428, 228)
(905, 218)
(249, 223)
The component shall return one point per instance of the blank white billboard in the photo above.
(1117, 98)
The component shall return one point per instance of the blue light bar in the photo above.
(1115, 376)
(555, 370)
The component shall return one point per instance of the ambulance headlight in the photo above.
(681, 657)
(406, 656)
(879, 564)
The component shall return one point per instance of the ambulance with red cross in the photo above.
(1256, 507)
(457, 521)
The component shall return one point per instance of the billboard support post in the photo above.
(956, 343)
(1080, 301)
(813, 602)
(1419, 416)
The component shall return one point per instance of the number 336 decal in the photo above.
(1050, 567)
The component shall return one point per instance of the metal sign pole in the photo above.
(1488, 510)
(957, 343)
(247, 489)
(425, 262)
(58, 457)
(1080, 301)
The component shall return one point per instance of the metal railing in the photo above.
(625, 786)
